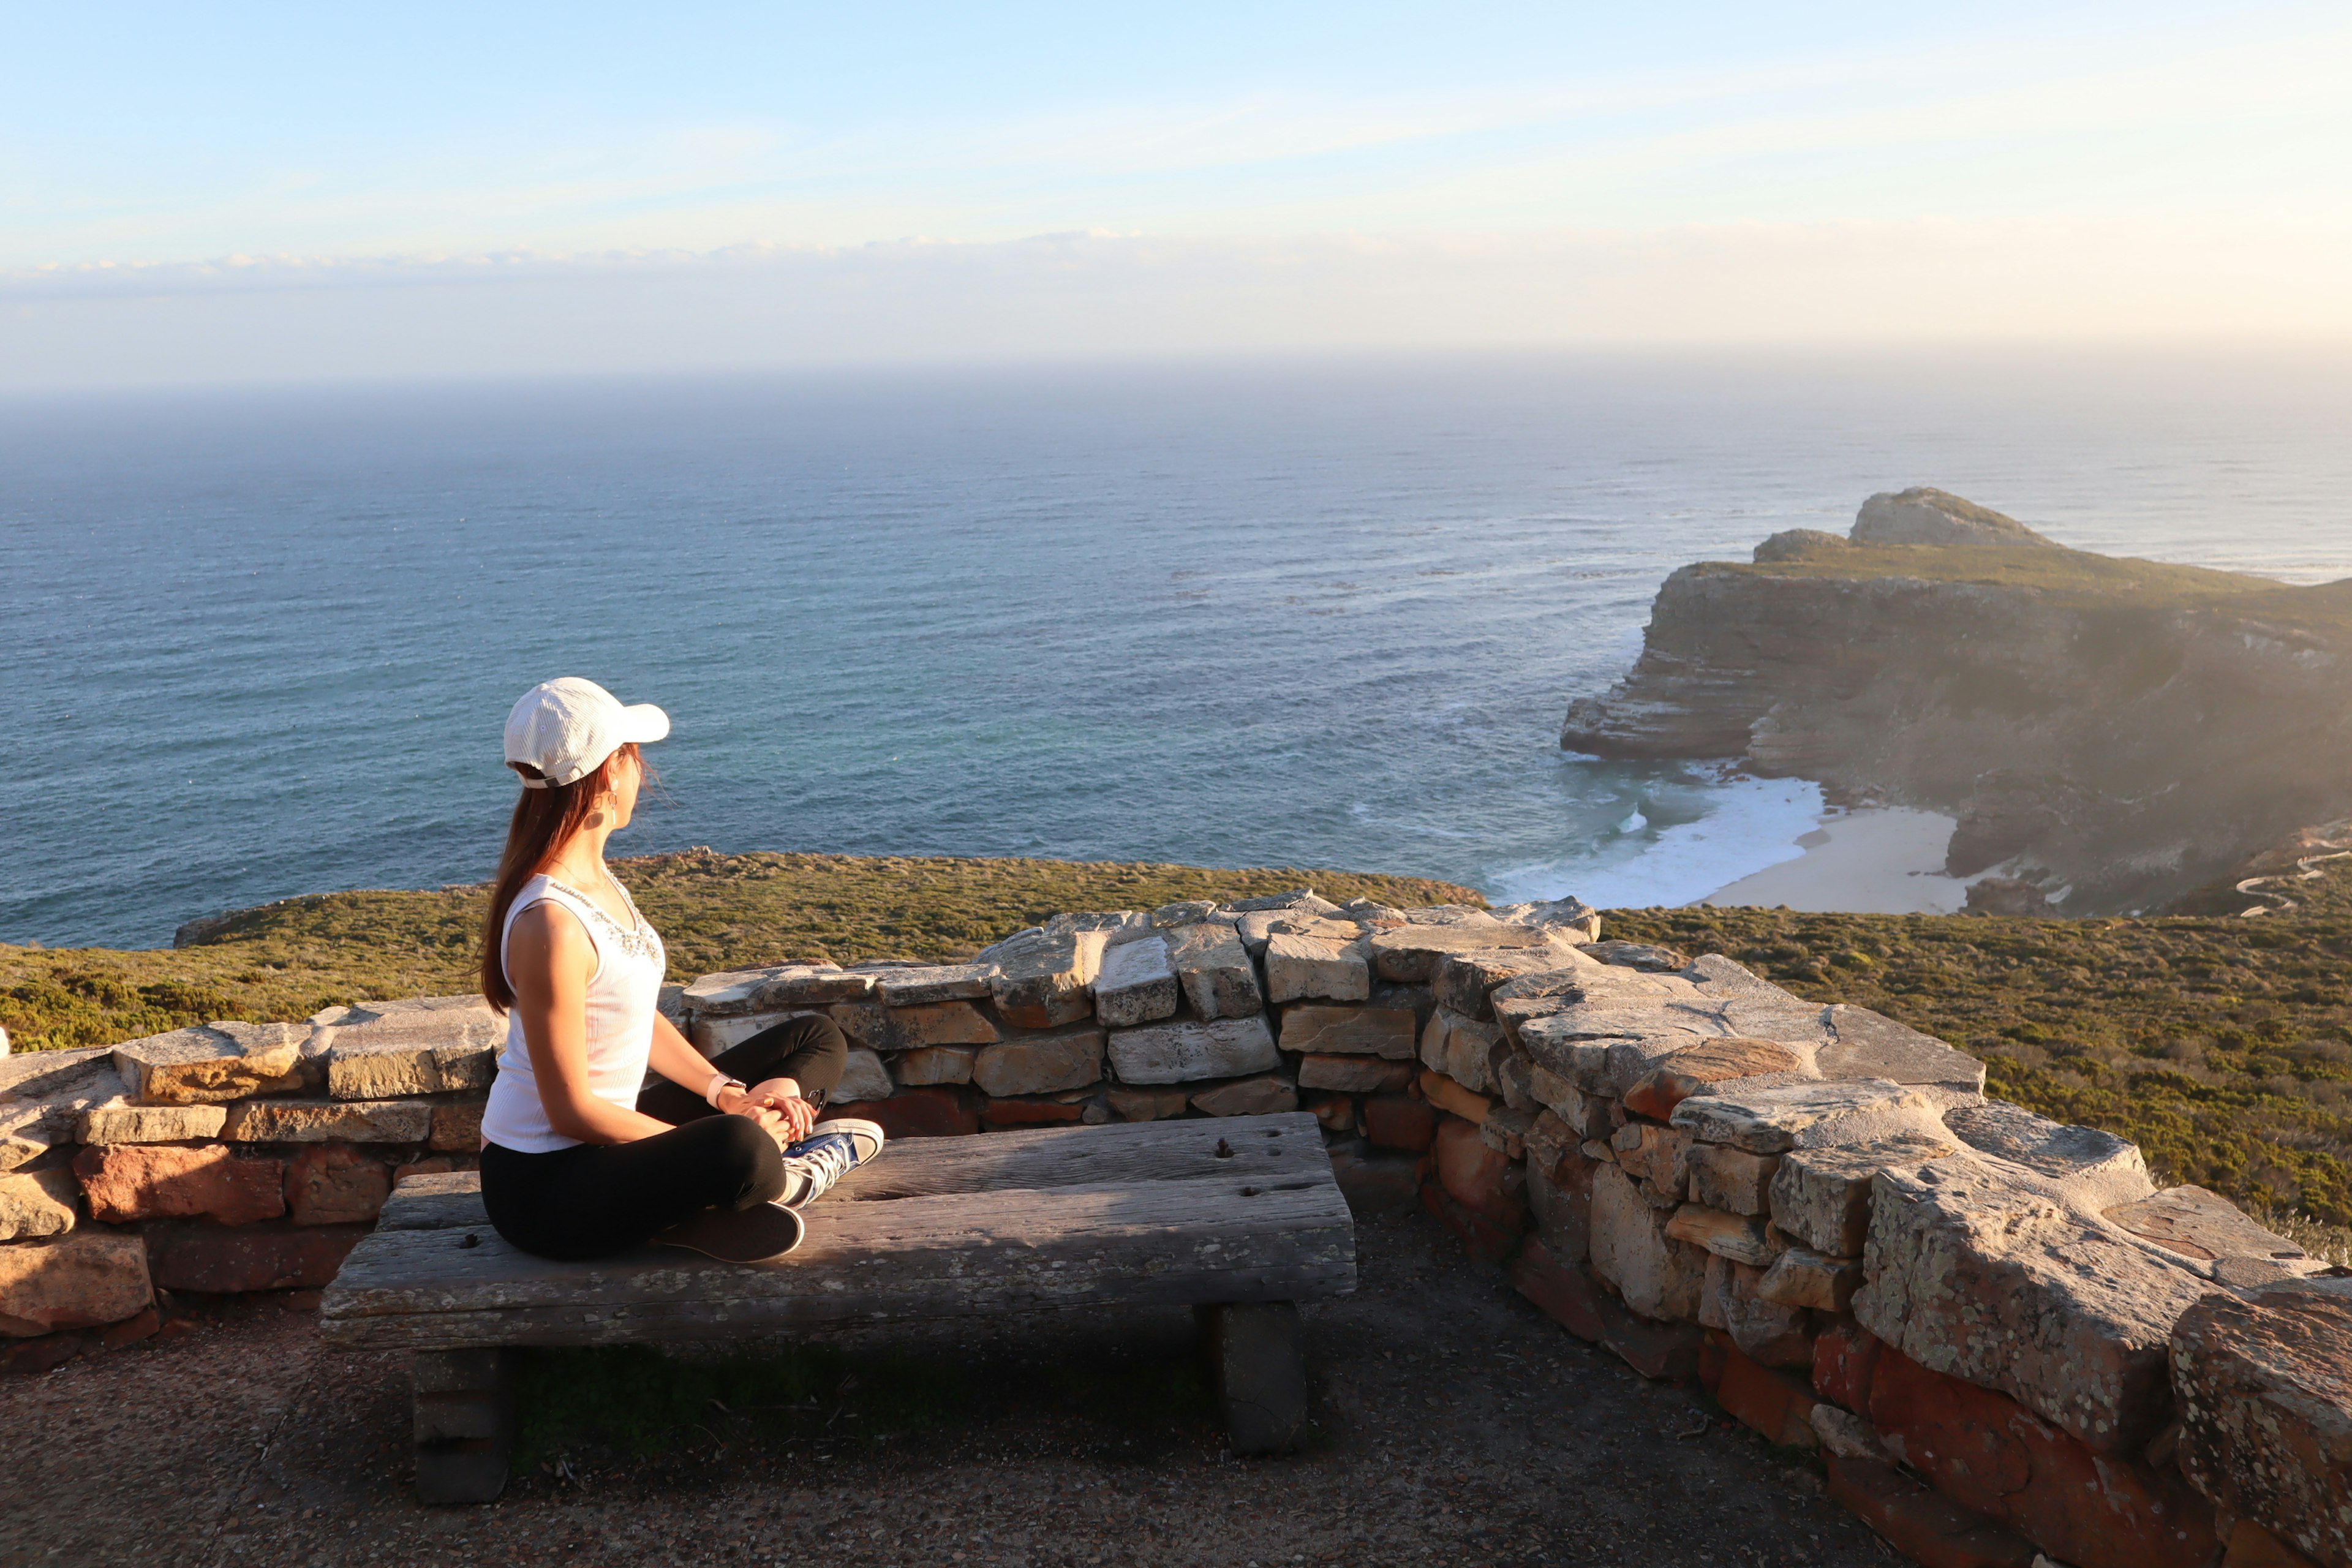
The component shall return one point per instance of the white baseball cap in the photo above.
(567, 728)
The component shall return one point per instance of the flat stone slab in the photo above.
(1189, 1049)
(1770, 1120)
(213, 1062)
(1977, 1275)
(1238, 1209)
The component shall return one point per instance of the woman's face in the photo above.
(621, 781)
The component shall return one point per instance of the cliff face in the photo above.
(2122, 731)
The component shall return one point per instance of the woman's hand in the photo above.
(782, 1095)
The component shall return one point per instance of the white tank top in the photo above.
(623, 995)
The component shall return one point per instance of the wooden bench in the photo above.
(1237, 1217)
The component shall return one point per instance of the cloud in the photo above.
(1096, 295)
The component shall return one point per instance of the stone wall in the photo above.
(2003, 1340)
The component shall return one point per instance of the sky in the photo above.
(226, 192)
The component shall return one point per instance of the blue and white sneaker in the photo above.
(831, 1151)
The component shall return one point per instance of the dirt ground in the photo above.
(1454, 1424)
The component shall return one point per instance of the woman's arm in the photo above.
(549, 959)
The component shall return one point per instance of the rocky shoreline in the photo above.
(2110, 734)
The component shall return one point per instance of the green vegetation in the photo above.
(286, 960)
(2221, 1046)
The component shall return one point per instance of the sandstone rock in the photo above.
(939, 1111)
(1989, 1454)
(45, 1203)
(1641, 955)
(212, 1062)
(1732, 1180)
(1452, 1098)
(1821, 1196)
(75, 1282)
(1185, 1050)
(1216, 970)
(1044, 981)
(1395, 1121)
(1413, 953)
(1973, 1275)
(1250, 1096)
(1923, 1525)
(324, 1120)
(1354, 1075)
(1769, 1120)
(118, 1122)
(267, 1256)
(1348, 1030)
(1136, 985)
(126, 1182)
(2264, 1383)
(1684, 1073)
(1478, 1177)
(1803, 1277)
(1506, 1131)
(1149, 1104)
(1848, 1435)
(1040, 1064)
(456, 1127)
(935, 1064)
(2103, 1169)
(2204, 1226)
(863, 1077)
(930, 984)
(335, 1183)
(1740, 1237)
(811, 985)
(1656, 1277)
(1468, 1051)
(1867, 1045)
(1464, 981)
(1303, 966)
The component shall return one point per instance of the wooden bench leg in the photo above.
(1260, 1367)
(465, 1424)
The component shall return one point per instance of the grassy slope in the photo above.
(286, 960)
(2221, 1046)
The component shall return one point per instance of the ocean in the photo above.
(261, 642)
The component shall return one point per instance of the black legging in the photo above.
(595, 1199)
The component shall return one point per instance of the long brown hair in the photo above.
(544, 821)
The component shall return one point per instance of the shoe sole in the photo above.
(740, 1236)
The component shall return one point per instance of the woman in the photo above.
(576, 1161)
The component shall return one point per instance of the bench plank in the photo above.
(1145, 1214)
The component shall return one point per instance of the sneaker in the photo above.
(831, 1151)
(739, 1235)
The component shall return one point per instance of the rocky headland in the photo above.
(2111, 734)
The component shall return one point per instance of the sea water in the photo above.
(257, 642)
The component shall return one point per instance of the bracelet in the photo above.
(719, 1082)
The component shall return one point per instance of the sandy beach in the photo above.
(1883, 861)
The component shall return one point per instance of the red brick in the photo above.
(1843, 1357)
(1399, 1121)
(1567, 1294)
(1482, 1179)
(1485, 1241)
(126, 1182)
(1775, 1402)
(937, 1112)
(1001, 1114)
(1991, 1453)
(272, 1257)
(1924, 1526)
(334, 1183)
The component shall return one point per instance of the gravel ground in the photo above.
(1454, 1423)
